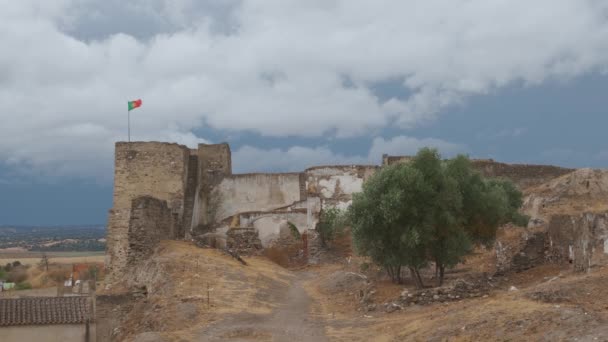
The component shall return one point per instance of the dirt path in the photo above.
(291, 321)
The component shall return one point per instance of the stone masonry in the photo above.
(168, 191)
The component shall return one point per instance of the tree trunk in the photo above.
(437, 282)
(394, 272)
(419, 278)
(441, 274)
(415, 274)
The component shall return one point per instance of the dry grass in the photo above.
(187, 271)
(503, 316)
(30, 258)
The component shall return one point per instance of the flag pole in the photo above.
(129, 122)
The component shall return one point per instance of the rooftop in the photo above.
(44, 310)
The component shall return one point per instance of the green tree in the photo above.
(332, 222)
(429, 210)
(387, 224)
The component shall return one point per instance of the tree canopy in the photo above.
(429, 210)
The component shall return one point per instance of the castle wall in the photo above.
(270, 225)
(189, 201)
(335, 185)
(523, 175)
(256, 192)
(152, 169)
(136, 231)
(151, 221)
(214, 163)
(117, 242)
(143, 169)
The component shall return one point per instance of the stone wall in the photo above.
(335, 185)
(189, 201)
(148, 220)
(244, 241)
(152, 169)
(214, 164)
(523, 175)
(256, 192)
(164, 190)
(270, 225)
(579, 239)
(111, 312)
(155, 169)
(147, 169)
(117, 242)
(151, 221)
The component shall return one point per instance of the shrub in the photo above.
(331, 225)
(23, 286)
(59, 275)
(17, 275)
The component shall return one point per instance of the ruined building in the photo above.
(168, 191)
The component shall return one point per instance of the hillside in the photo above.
(264, 302)
(514, 291)
(576, 192)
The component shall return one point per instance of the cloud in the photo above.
(298, 158)
(274, 67)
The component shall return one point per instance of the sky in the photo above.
(290, 84)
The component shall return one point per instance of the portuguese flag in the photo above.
(134, 104)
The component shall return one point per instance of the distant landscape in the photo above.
(81, 238)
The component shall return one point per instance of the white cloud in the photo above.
(298, 158)
(275, 67)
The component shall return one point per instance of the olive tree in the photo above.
(429, 210)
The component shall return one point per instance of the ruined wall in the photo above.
(214, 163)
(189, 201)
(523, 175)
(143, 169)
(271, 225)
(256, 192)
(335, 185)
(151, 221)
(111, 312)
(150, 169)
(579, 239)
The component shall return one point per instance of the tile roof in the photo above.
(44, 310)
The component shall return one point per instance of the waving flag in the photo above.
(134, 104)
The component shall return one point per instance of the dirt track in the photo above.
(290, 321)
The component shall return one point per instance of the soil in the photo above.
(290, 321)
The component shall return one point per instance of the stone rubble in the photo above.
(459, 290)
